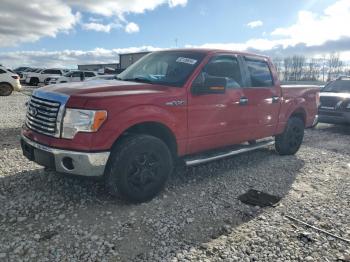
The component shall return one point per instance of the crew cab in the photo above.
(34, 78)
(335, 102)
(9, 81)
(195, 105)
(72, 76)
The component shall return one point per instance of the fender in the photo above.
(289, 107)
(119, 123)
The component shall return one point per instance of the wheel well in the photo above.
(299, 113)
(157, 130)
(6, 83)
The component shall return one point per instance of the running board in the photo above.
(236, 150)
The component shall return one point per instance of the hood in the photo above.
(103, 88)
(339, 95)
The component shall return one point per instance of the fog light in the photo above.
(67, 163)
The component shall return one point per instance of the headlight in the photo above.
(79, 120)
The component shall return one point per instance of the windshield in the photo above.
(338, 86)
(168, 68)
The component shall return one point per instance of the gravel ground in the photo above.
(46, 216)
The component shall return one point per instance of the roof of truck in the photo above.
(212, 50)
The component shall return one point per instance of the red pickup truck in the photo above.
(192, 104)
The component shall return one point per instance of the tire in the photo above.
(34, 81)
(138, 168)
(289, 142)
(5, 89)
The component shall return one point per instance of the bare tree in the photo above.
(278, 62)
(334, 65)
(298, 64)
(287, 62)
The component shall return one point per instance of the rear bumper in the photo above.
(339, 118)
(64, 161)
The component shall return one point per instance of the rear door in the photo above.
(263, 96)
(214, 120)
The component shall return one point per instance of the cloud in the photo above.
(67, 58)
(132, 28)
(100, 27)
(174, 3)
(120, 7)
(254, 24)
(312, 29)
(311, 34)
(28, 21)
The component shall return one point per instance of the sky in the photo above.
(64, 33)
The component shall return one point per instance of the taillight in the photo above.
(14, 77)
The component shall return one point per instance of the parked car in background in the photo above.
(24, 74)
(72, 76)
(9, 81)
(19, 70)
(35, 78)
(103, 77)
(335, 102)
(168, 105)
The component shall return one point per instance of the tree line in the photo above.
(301, 68)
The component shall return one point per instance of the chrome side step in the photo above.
(239, 149)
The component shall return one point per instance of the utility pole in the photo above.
(176, 40)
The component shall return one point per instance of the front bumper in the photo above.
(17, 86)
(333, 117)
(64, 161)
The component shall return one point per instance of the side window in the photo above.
(45, 71)
(223, 67)
(56, 72)
(2, 71)
(259, 71)
(76, 74)
(89, 74)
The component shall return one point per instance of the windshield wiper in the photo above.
(139, 79)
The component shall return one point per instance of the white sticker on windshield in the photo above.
(186, 60)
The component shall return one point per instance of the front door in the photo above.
(215, 119)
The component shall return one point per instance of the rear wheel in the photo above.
(289, 142)
(138, 168)
(5, 89)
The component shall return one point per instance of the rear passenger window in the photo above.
(260, 74)
(2, 71)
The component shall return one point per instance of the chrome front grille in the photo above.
(42, 116)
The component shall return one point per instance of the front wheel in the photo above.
(138, 168)
(289, 142)
(5, 89)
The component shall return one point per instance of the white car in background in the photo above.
(44, 76)
(9, 82)
(104, 77)
(23, 75)
(73, 76)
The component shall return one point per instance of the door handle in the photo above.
(275, 99)
(243, 101)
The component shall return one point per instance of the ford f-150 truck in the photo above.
(194, 105)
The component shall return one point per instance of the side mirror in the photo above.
(210, 85)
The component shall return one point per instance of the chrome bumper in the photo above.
(70, 162)
(315, 121)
